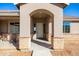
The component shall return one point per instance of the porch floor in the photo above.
(40, 48)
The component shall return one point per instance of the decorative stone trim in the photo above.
(58, 37)
(24, 43)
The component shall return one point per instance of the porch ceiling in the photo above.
(40, 14)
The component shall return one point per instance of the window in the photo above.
(14, 27)
(66, 27)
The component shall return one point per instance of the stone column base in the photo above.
(50, 38)
(25, 43)
(58, 43)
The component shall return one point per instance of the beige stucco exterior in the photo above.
(52, 18)
(74, 28)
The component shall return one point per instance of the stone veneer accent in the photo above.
(24, 43)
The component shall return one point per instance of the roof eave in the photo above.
(61, 5)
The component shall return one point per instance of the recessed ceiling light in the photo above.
(40, 12)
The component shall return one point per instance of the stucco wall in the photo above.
(74, 28)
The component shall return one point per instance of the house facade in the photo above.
(44, 19)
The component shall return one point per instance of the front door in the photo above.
(39, 30)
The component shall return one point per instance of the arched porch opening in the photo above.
(42, 25)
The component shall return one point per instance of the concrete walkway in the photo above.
(41, 48)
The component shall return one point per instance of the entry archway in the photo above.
(42, 24)
(25, 24)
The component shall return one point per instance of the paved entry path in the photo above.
(40, 48)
